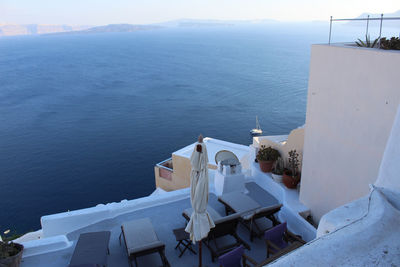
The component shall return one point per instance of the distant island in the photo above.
(113, 28)
(34, 29)
(37, 29)
(211, 22)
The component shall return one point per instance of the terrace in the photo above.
(165, 212)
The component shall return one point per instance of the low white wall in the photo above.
(66, 222)
(46, 245)
(353, 94)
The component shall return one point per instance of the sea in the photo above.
(84, 118)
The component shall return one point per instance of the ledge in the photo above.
(352, 45)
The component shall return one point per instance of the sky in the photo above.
(100, 12)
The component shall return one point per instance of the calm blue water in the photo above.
(84, 118)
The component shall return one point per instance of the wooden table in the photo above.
(239, 202)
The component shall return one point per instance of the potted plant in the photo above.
(10, 254)
(291, 176)
(278, 169)
(367, 42)
(266, 157)
(390, 44)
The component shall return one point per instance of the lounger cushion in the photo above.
(140, 235)
(212, 212)
(91, 249)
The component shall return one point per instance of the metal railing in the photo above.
(367, 19)
(160, 164)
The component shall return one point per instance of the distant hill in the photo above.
(117, 28)
(34, 29)
(210, 23)
(386, 23)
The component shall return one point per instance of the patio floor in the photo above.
(165, 218)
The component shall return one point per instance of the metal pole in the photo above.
(200, 258)
(366, 33)
(330, 30)
(380, 32)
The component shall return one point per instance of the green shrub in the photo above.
(293, 163)
(267, 154)
(367, 42)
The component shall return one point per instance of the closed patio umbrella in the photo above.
(200, 221)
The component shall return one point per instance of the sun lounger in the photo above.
(91, 249)
(141, 239)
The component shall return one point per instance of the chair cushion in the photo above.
(232, 258)
(275, 235)
(140, 235)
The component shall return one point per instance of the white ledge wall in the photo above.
(353, 94)
(66, 222)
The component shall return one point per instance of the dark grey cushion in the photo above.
(140, 236)
(91, 249)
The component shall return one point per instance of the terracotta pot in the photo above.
(15, 260)
(290, 181)
(266, 166)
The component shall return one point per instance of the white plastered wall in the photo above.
(353, 96)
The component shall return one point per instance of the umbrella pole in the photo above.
(200, 253)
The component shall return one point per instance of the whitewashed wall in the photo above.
(353, 94)
(389, 172)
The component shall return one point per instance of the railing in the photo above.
(162, 164)
(164, 171)
(367, 19)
